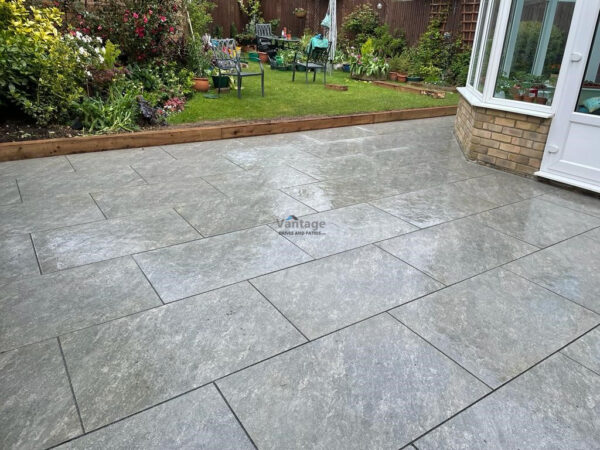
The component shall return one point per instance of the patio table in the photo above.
(281, 41)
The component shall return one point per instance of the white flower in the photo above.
(99, 39)
(88, 73)
(101, 59)
(83, 51)
(79, 35)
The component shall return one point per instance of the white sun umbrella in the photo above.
(330, 21)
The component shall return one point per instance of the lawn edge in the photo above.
(11, 151)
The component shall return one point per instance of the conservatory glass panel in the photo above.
(482, 12)
(533, 49)
(589, 95)
(487, 46)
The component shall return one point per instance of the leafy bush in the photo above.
(159, 83)
(402, 63)
(40, 72)
(367, 63)
(386, 44)
(360, 24)
(118, 112)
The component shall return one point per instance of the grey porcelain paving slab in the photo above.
(593, 234)
(433, 206)
(341, 192)
(372, 385)
(554, 405)
(68, 184)
(344, 166)
(256, 158)
(328, 294)
(343, 229)
(17, 257)
(46, 306)
(9, 192)
(274, 140)
(501, 188)
(456, 250)
(195, 150)
(345, 147)
(571, 269)
(586, 350)
(37, 408)
(38, 167)
(233, 214)
(45, 214)
(118, 158)
(538, 222)
(200, 266)
(441, 125)
(496, 325)
(578, 201)
(83, 244)
(126, 365)
(176, 171)
(200, 419)
(133, 200)
(258, 180)
(335, 134)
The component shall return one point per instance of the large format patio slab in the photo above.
(360, 287)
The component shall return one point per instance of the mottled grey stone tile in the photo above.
(37, 408)
(200, 419)
(433, 206)
(341, 192)
(118, 158)
(83, 244)
(42, 307)
(586, 350)
(439, 126)
(457, 250)
(126, 365)
(344, 166)
(554, 405)
(133, 200)
(593, 234)
(496, 325)
(346, 147)
(274, 140)
(17, 257)
(256, 158)
(9, 192)
(503, 188)
(571, 269)
(538, 222)
(179, 170)
(195, 150)
(414, 177)
(330, 293)
(38, 167)
(68, 184)
(233, 214)
(48, 213)
(335, 134)
(343, 229)
(372, 385)
(578, 201)
(258, 180)
(199, 266)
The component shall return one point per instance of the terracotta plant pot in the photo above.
(528, 99)
(517, 97)
(401, 77)
(201, 84)
(264, 58)
(393, 76)
(541, 100)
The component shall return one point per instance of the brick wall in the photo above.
(509, 141)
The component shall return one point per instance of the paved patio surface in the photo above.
(159, 298)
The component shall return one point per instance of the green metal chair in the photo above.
(228, 63)
(316, 59)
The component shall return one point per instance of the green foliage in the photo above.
(527, 43)
(386, 44)
(197, 58)
(200, 16)
(40, 72)
(161, 82)
(111, 55)
(233, 30)
(459, 68)
(402, 63)
(251, 8)
(360, 24)
(117, 112)
(368, 63)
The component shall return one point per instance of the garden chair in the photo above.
(264, 39)
(228, 63)
(316, 58)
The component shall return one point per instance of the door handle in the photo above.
(576, 57)
(552, 148)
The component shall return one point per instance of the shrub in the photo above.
(40, 72)
(118, 112)
(386, 44)
(360, 24)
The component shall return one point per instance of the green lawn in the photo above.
(286, 99)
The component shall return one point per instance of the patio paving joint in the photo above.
(37, 259)
(443, 353)
(62, 354)
(581, 364)
(19, 190)
(187, 221)
(98, 206)
(235, 415)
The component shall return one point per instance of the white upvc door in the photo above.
(572, 153)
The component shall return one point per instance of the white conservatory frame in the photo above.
(486, 98)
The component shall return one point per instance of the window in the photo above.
(482, 16)
(487, 41)
(589, 94)
(533, 49)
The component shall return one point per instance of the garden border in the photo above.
(10, 151)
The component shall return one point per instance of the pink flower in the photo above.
(163, 19)
(99, 27)
(171, 30)
(145, 19)
(150, 12)
(136, 15)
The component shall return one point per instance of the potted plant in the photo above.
(264, 57)
(219, 81)
(401, 65)
(198, 63)
(300, 13)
